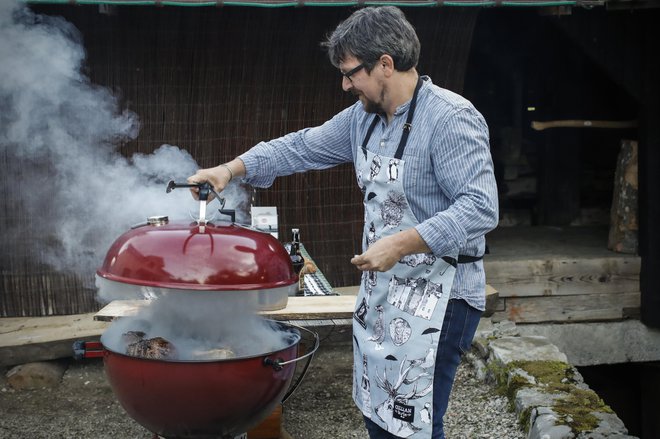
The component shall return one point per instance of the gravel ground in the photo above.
(321, 408)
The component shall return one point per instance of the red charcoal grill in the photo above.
(200, 399)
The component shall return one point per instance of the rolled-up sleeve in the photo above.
(320, 147)
(463, 168)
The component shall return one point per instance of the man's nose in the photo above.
(346, 83)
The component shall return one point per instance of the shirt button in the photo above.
(382, 143)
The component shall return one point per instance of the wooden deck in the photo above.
(560, 274)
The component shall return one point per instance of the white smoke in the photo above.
(73, 193)
(205, 321)
(59, 139)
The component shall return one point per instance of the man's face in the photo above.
(365, 86)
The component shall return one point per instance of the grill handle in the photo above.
(205, 189)
(277, 364)
(87, 349)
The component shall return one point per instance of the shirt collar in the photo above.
(401, 109)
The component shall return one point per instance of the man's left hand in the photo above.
(380, 256)
(387, 251)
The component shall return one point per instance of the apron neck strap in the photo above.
(406, 126)
(368, 136)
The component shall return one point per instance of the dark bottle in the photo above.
(294, 253)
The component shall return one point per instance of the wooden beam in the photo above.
(578, 123)
(563, 276)
(649, 178)
(594, 307)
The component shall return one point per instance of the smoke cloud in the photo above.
(204, 322)
(72, 192)
(68, 193)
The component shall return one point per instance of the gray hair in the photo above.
(370, 33)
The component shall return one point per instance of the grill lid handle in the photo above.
(205, 189)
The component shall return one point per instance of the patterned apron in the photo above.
(399, 313)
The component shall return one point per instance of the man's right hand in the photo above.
(218, 177)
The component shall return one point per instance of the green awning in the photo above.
(298, 3)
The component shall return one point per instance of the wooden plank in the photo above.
(324, 308)
(550, 277)
(624, 265)
(593, 307)
(571, 285)
(119, 308)
(315, 308)
(566, 286)
(25, 339)
(298, 308)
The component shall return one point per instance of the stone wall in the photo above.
(548, 394)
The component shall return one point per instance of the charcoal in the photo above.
(156, 348)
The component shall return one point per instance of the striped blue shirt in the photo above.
(448, 178)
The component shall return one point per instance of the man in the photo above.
(422, 160)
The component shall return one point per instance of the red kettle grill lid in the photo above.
(183, 255)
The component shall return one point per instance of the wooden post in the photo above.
(623, 216)
(649, 160)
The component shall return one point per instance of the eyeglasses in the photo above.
(353, 71)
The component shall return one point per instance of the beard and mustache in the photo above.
(370, 106)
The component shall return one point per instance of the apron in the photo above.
(399, 313)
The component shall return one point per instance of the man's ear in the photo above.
(387, 64)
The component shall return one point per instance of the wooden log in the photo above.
(623, 215)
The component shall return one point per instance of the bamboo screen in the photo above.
(216, 81)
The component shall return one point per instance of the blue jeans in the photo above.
(458, 329)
